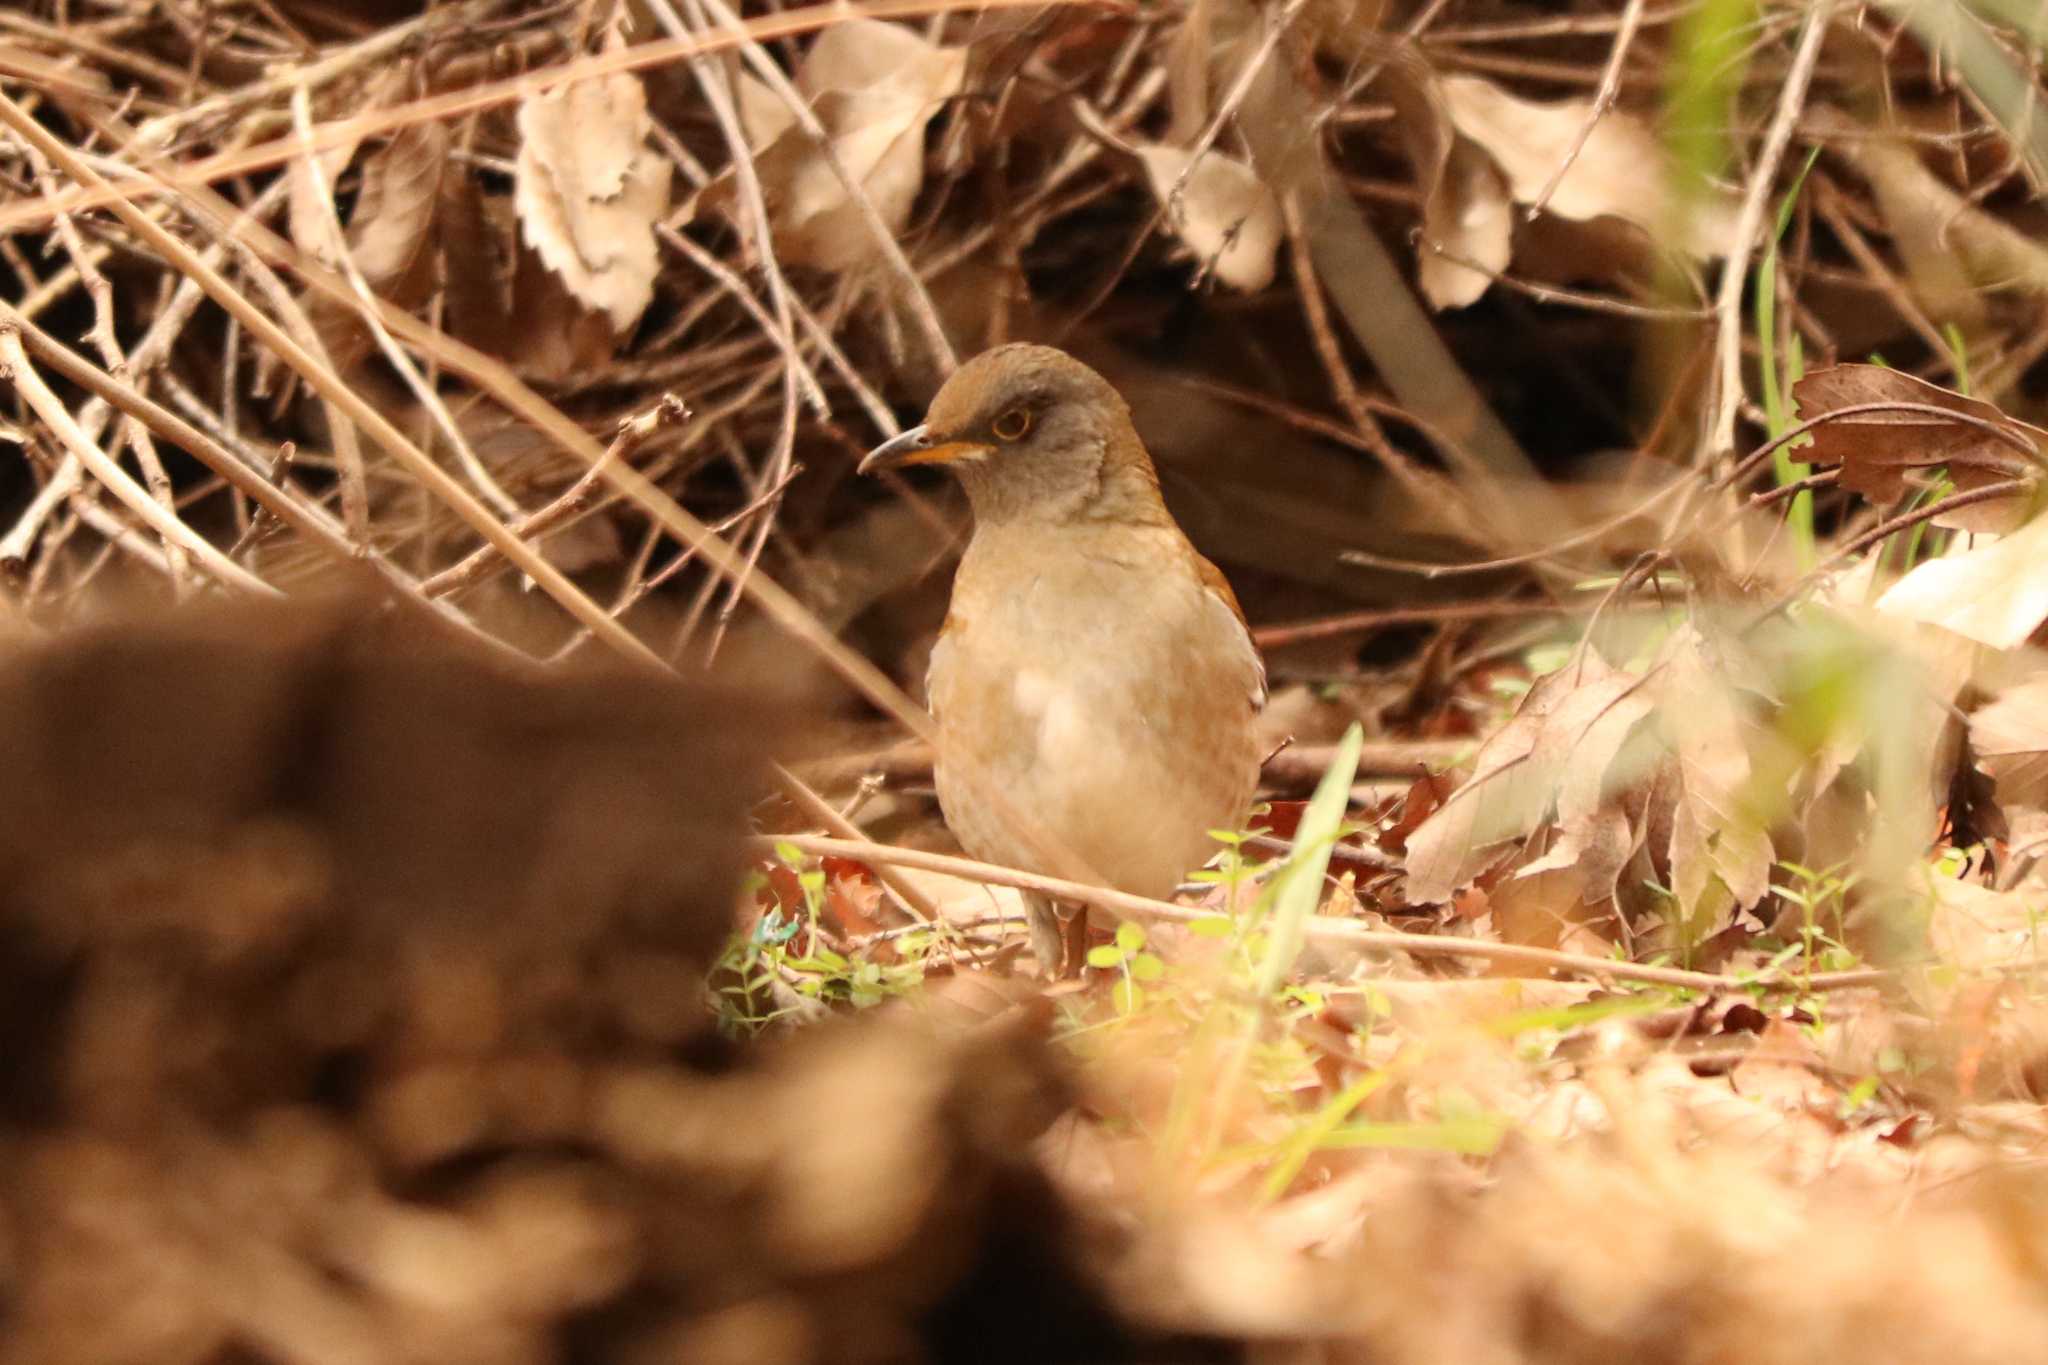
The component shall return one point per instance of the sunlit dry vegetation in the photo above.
(1620, 421)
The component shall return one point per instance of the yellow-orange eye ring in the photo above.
(1012, 425)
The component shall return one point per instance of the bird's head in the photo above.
(1033, 435)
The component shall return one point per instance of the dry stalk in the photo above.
(1749, 222)
(15, 366)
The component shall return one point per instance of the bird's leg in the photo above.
(1053, 936)
(1074, 937)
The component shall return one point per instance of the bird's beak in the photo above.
(916, 446)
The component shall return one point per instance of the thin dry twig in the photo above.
(1603, 100)
(1749, 221)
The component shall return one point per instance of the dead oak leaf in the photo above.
(1878, 450)
(589, 189)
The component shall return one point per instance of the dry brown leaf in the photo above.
(1224, 213)
(1876, 450)
(553, 335)
(1784, 1070)
(479, 270)
(1596, 846)
(1972, 926)
(1555, 752)
(391, 236)
(391, 233)
(1621, 171)
(2010, 738)
(589, 190)
(874, 86)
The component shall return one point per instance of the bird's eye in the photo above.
(1012, 425)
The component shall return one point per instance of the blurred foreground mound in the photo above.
(353, 1001)
(352, 987)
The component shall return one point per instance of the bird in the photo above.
(1095, 687)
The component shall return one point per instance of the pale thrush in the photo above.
(1094, 678)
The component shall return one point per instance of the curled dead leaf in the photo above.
(1466, 213)
(307, 207)
(589, 189)
(391, 237)
(1479, 150)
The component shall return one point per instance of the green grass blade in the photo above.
(1307, 860)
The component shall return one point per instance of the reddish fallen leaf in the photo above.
(1471, 903)
(1425, 794)
(1283, 819)
(853, 904)
(779, 889)
(1926, 427)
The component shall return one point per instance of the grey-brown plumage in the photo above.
(1094, 672)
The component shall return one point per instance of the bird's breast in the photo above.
(1104, 696)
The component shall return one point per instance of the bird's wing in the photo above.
(1234, 628)
(938, 668)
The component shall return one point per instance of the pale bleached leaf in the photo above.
(874, 87)
(1996, 594)
(1622, 171)
(589, 190)
(1223, 212)
(1466, 213)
